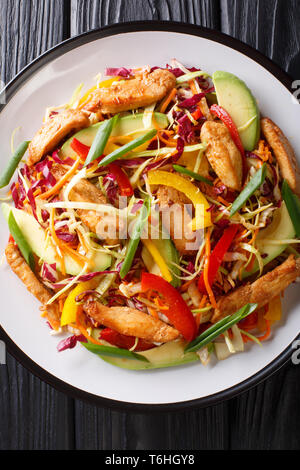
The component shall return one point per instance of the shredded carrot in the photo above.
(82, 328)
(81, 259)
(160, 304)
(193, 87)
(184, 286)
(223, 201)
(205, 271)
(61, 182)
(267, 333)
(264, 152)
(169, 142)
(203, 301)
(168, 100)
(153, 312)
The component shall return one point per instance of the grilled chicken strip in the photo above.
(284, 153)
(131, 322)
(54, 130)
(176, 219)
(35, 287)
(261, 291)
(84, 191)
(222, 154)
(143, 90)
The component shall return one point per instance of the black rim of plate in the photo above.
(16, 84)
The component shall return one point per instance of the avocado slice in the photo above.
(35, 236)
(236, 98)
(125, 125)
(281, 228)
(167, 355)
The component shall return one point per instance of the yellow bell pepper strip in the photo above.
(202, 218)
(104, 84)
(70, 306)
(274, 312)
(158, 259)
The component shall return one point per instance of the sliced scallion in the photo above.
(102, 350)
(101, 139)
(128, 147)
(135, 238)
(220, 327)
(13, 163)
(255, 182)
(192, 174)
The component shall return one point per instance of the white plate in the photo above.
(51, 81)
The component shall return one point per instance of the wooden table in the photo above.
(35, 416)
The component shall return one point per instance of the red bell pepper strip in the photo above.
(123, 341)
(179, 313)
(81, 149)
(217, 256)
(121, 179)
(250, 322)
(222, 114)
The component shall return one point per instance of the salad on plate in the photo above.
(156, 217)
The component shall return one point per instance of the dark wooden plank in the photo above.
(90, 14)
(270, 26)
(267, 417)
(32, 414)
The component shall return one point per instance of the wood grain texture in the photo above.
(32, 414)
(35, 416)
(86, 15)
(270, 26)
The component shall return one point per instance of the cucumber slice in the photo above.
(34, 235)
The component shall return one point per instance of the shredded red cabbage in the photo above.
(111, 188)
(49, 272)
(179, 149)
(70, 342)
(133, 163)
(190, 267)
(136, 206)
(118, 71)
(185, 128)
(66, 236)
(15, 195)
(191, 102)
(156, 165)
(83, 278)
(133, 302)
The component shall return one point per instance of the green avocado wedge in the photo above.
(125, 125)
(236, 98)
(281, 228)
(167, 355)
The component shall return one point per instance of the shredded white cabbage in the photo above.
(70, 284)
